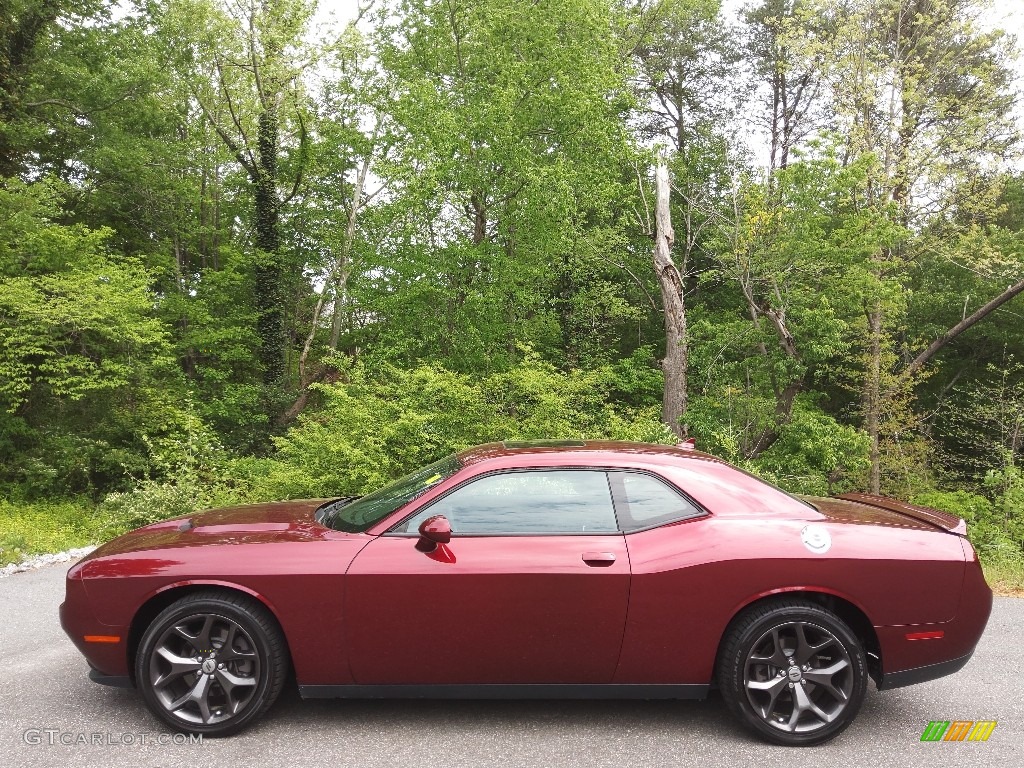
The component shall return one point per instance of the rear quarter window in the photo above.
(644, 501)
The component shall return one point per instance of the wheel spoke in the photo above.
(803, 703)
(182, 632)
(823, 677)
(229, 651)
(180, 665)
(200, 641)
(777, 657)
(771, 687)
(199, 695)
(203, 638)
(805, 648)
(802, 652)
(229, 642)
(229, 682)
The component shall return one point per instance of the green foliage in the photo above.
(383, 423)
(508, 123)
(813, 453)
(1001, 550)
(187, 465)
(149, 502)
(76, 331)
(86, 369)
(1007, 488)
(41, 527)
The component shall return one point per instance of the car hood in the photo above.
(870, 509)
(273, 521)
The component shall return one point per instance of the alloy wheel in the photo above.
(798, 677)
(204, 669)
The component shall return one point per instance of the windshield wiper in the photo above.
(326, 514)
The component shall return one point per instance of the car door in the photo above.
(532, 588)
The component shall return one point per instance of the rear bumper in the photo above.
(909, 658)
(922, 674)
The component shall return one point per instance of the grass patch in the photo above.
(42, 527)
(1002, 560)
(1006, 579)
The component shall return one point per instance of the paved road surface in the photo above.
(43, 685)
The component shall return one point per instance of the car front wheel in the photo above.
(793, 672)
(211, 663)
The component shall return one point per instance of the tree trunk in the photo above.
(674, 364)
(343, 266)
(977, 316)
(20, 34)
(270, 316)
(873, 395)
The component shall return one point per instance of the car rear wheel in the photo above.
(211, 663)
(793, 672)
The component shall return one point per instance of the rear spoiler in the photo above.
(942, 520)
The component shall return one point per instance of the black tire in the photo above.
(792, 671)
(211, 663)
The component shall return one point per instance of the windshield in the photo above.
(356, 516)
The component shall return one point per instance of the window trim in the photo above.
(621, 504)
(615, 490)
(506, 471)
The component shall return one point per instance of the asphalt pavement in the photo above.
(52, 715)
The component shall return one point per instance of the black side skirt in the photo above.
(116, 681)
(922, 674)
(532, 691)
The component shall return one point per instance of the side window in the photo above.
(644, 501)
(532, 501)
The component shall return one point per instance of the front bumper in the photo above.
(109, 659)
(115, 681)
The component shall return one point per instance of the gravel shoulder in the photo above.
(41, 561)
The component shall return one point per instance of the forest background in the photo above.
(256, 249)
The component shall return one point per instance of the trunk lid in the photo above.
(866, 508)
(943, 520)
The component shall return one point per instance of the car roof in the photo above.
(584, 451)
(714, 483)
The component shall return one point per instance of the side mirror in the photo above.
(433, 531)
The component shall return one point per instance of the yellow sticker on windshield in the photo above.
(432, 480)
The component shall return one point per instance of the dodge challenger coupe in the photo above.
(537, 570)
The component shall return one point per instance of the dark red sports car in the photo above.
(537, 570)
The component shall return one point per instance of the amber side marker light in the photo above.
(101, 638)
(925, 635)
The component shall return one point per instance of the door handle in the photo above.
(599, 559)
